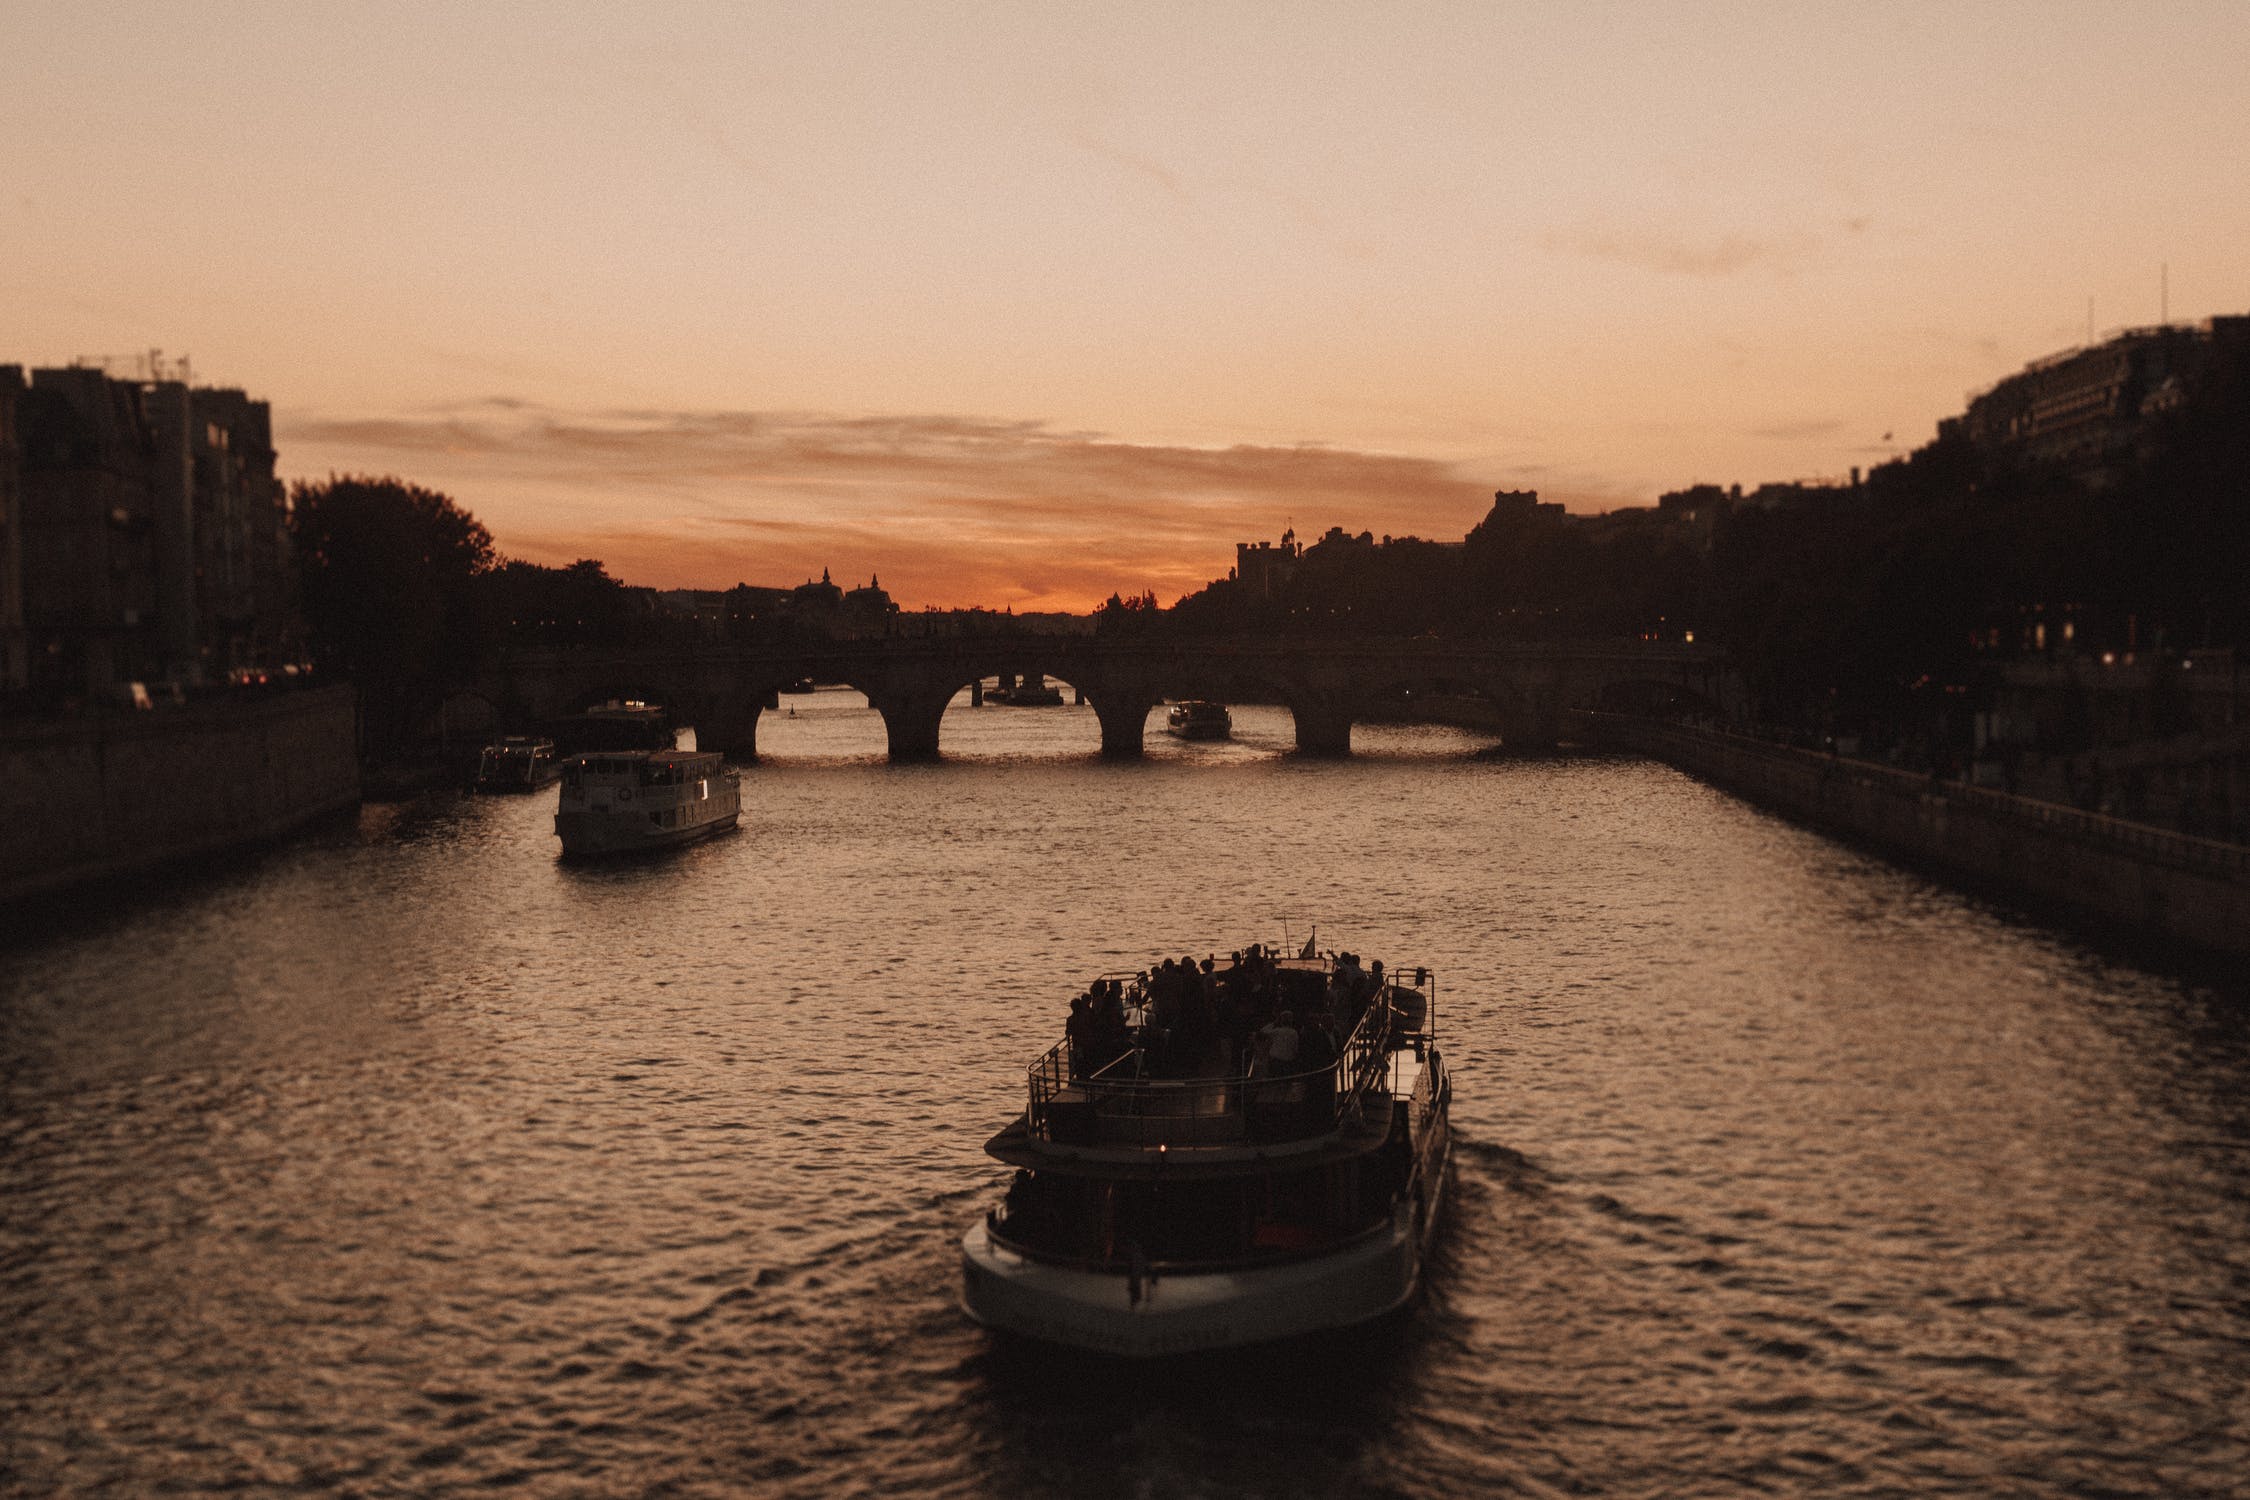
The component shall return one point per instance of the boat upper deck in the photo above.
(645, 767)
(1181, 1066)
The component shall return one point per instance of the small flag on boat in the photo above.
(1310, 951)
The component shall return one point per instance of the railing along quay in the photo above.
(2182, 851)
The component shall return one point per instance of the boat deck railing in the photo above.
(1121, 1105)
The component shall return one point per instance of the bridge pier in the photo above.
(1322, 728)
(735, 735)
(911, 717)
(1124, 721)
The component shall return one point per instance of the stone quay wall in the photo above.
(2149, 882)
(126, 792)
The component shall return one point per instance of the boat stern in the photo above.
(1161, 1312)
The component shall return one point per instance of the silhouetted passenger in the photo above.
(1108, 1035)
(1232, 1024)
(1078, 1032)
(1195, 1036)
(1275, 1052)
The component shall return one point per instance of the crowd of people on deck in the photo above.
(1252, 1016)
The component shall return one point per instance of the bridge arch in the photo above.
(1526, 710)
(914, 703)
(1392, 692)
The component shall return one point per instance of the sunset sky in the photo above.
(1017, 304)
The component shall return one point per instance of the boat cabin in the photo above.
(1132, 1145)
(641, 768)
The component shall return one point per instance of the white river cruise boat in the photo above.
(618, 801)
(1187, 1183)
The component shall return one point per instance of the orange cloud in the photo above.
(947, 510)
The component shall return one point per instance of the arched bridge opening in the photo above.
(987, 704)
(1441, 698)
(822, 722)
(1044, 709)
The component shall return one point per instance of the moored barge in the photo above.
(517, 763)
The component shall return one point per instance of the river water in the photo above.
(406, 1159)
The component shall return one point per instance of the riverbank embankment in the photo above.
(2145, 881)
(120, 793)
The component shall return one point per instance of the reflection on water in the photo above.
(408, 1159)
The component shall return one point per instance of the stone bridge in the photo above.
(1325, 683)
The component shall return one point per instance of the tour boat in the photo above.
(1034, 691)
(517, 763)
(1168, 1200)
(626, 800)
(1194, 719)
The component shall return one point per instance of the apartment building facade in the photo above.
(146, 534)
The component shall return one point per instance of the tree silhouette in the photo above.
(387, 570)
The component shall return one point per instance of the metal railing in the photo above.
(1118, 1104)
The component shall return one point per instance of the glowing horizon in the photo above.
(1001, 514)
(1018, 307)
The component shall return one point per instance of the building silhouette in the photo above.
(868, 609)
(1264, 569)
(2086, 409)
(146, 532)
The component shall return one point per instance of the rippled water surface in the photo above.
(407, 1159)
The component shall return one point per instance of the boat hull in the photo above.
(1191, 1312)
(598, 833)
